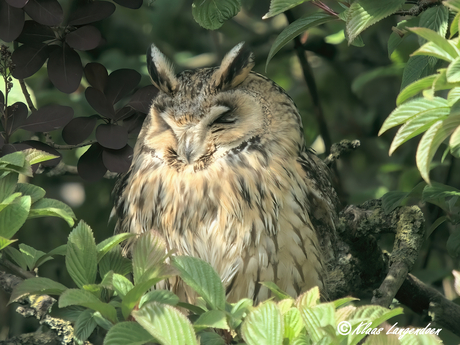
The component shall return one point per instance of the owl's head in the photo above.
(203, 115)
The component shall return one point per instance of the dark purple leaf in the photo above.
(48, 118)
(96, 75)
(34, 33)
(120, 83)
(29, 59)
(123, 113)
(134, 4)
(118, 161)
(84, 38)
(112, 136)
(17, 3)
(134, 123)
(92, 12)
(99, 102)
(17, 114)
(2, 141)
(10, 148)
(64, 69)
(142, 98)
(78, 129)
(11, 21)
(2, 99)
(44, 147)
(46, 12)
(90, 166)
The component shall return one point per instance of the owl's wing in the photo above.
(118, 201)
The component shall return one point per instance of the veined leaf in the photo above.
(5, 242)
(127, 332)
(414, 88)
(34, 156)
(17, 159)
(454, 142)
(121, 284)
(453, 4)
(13, 216)
(365, 13)
(430, 142)
(293, 324)
(453, 71)
(309, 298)
(133, 296)
(211, 319)
(410, 109)
(105, 246)
(400, 33)
(280, 294)
(8, 184)
(264, 325)
(417, 66)
(53, 208)
(453, 96)
(280, 6)
(161, 296)
(437, 40)
(434, 50)
(435, 18)
(36, 193)
(116, 262)
(85, 325)
(36, 286)
(417, 125)
(439, 191)
(295, 29)
(160, 326)
(211, 14)
(392, 199)
(454, 25)
(31, 255)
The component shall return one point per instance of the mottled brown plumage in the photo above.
(221, 171)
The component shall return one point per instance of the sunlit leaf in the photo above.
(280, 6)
(414, 88)
(263, 325)
(128, 332)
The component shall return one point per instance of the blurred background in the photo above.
(357, 89)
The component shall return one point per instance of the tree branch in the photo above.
(27, 95)
(340, 148)
(422, 5)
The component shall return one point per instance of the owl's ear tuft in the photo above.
(234, 68)
(161, 70)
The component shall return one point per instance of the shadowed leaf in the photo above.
(17, 114)
(280, 6)
(46, 12)
(78, 129)
(142, 98)
(112, 136)
(92, 12)
(64, 69)
(120, 83)
(90, 166)
(98, 101)
(212, 14)
(34, 32)
(44, 147)
(29, 59)
(84, 38)
(96, 75)
(11, 21)
(133, 4)
(118, 161)
(124, 113)
(134, 123)
(17, 3)
(48, 118)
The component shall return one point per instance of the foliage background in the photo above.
(355, 104)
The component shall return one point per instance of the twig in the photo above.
(340, 148)
(324, 7)
(419, 8)
(50, 142)
(15, 269)
(27, 95)
(310, 80)
(64, 169)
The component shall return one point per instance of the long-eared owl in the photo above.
(221, 171)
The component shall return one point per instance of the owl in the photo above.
(221, 171)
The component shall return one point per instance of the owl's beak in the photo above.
(190, 147)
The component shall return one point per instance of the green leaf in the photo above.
(280, 6)
(34, 156)
(17, 257)
(36, 286)
(17, 159)
(85, 325)
(211, 319)
(105, 246)
(5, 242)
(128, 332)
(88, 300)
(452, 4)
(431, 49)
(416, 67)
(159, 319)
(454, 142)
(13, 216)
(211, 14)
(133, 296)
(417, 125)
(238, 310)
(9, 200)
(161, 296)
(8, 185)
(454, 25)
(435, 224)
(365, 13)
(414, 88)
(437, 40)
(453, 243)
(211, 338)
(413, 108)
(302, 339)
(293, 324)
(453, 71)
(202, 278)
(435, 18)
(53, 208)
(342, 301)
(121, 284)
(430, 142)
(116, 262)
(102, 321)
(36, 193)
(149, 257)
(309, 298)
(317, 317)
(400, 33)
(31, 255)
(280, 294)
(439, 191)
(61, 250)
(295, 29)
(453, 96)
(81, 258)
(393, 199)
(263, 325)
